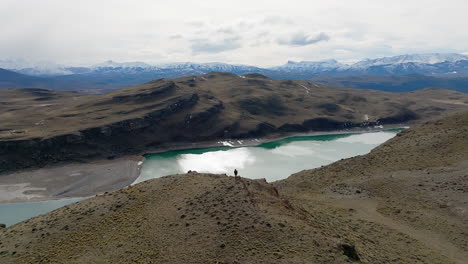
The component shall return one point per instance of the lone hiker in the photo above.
(235, 172)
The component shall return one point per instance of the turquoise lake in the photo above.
(12, 213)
(273, 161)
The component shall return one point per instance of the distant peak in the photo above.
(114, 64)
(310, 66)
(312, 62)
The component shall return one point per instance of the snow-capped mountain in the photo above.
(113, 64)
(210, 67)
(428, 64)
(172, 69)
(310, 66)
(34, 68)
(430, 58)
(112, 75)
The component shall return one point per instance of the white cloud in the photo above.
(88, 31)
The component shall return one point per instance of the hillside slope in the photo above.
(40, 127)
(398, 204)
(415, 183)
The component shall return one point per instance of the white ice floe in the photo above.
(226, 143)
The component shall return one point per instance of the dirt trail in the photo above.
(367, 210)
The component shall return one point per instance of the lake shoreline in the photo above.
(80, 180)
(270, 138)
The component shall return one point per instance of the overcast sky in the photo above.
(262, 33)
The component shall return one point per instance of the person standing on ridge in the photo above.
(235, 172)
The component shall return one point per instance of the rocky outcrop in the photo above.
(107, 141)
(405, 115)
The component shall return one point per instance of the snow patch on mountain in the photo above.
(429, 58)
(310, 66)
(34, 68)
(113, 64)
(211, 66)
(431, 63)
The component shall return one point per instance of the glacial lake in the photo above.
(273, 161)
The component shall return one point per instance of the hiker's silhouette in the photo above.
(235, 172)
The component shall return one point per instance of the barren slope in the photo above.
(199, 218)
(416, 183)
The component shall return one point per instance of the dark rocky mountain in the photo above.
(396, 83)
(11, 79)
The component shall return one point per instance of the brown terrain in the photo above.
(405, 202)
(43, 127)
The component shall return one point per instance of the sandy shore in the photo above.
(72, 180)
(82, 180)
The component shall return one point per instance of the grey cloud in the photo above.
(196, 23)
(277, 20)
(302, 39)
(208, 46)
(226, 30)
(178, 36)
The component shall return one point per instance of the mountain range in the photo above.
(431, 63)
(111, 75)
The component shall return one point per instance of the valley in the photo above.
(404, 202)
(63, 127)
(35, 192)
(254, 132)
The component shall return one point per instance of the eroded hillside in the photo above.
(415, 183)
